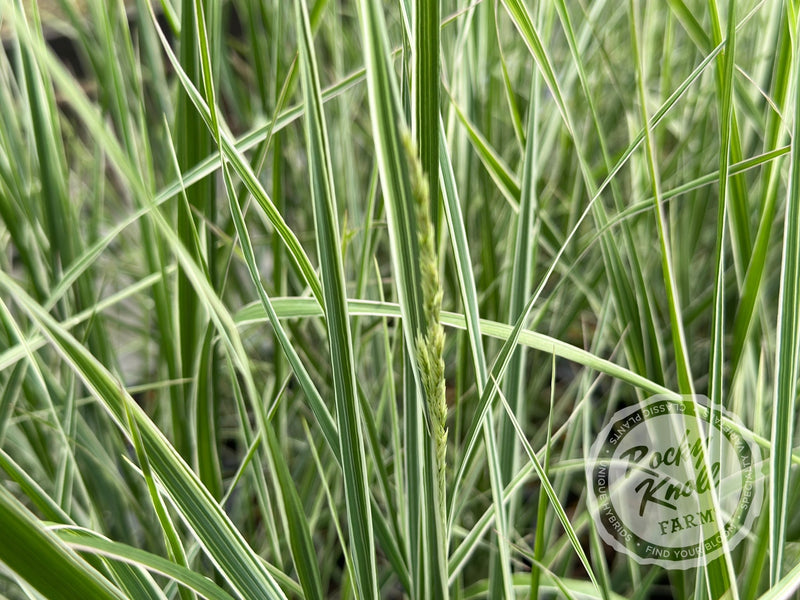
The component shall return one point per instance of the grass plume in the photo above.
(430, 343)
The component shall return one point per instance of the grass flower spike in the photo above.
(430, 343)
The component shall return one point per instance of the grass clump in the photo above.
(234, 234)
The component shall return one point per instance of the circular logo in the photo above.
(670, 482)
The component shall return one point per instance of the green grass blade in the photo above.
(524, 265)
(787, 348)
(426, 95)
(720, 572)
(464, 271)
(354, 468)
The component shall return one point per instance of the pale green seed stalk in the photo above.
(430, 345)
